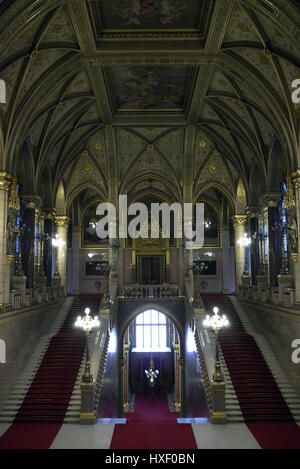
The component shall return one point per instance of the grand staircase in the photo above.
(258, 391)
(43, 393)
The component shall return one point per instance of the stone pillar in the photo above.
(47, 255)
(226, 270)
(177, 403)
(168, 275)
(239, 222)
(126, 405)
(254, 256)
(295, 249)
(62, 227)
(76, 261)
(5, 181)
(133, 266)
(29, 252)
(274, 237)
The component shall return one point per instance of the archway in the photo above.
(151, 332)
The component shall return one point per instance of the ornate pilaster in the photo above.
(5, 182)
(62, 222)
(75, 286)
(254, 253)
(239, 222)
(271, 201)
(29, 240)
(49, 215)
(177, 403)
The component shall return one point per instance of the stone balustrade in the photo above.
(167, 291)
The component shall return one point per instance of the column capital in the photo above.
(271, 199)
(252, 212)
(239, 220)
(295, 178)
(5, 180)
(49, 213)
(32, 201)
(62, 220)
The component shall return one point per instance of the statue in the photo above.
(292, 232)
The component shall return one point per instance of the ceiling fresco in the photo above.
(148, 88)
(174, 17)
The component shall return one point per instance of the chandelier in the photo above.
(151, 373)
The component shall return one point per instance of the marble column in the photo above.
(5, 181)
(271, 201)
(226, 264)
(239, 222)
(294, 233)
(62, 231)
(254, 229)
(47, 254)
(29, 248)
(75, 286)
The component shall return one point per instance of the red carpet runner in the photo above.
(152, 426)
(259, 397)
(44, 407)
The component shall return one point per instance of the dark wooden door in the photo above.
(151, 270)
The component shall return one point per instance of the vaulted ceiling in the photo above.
(128, 96)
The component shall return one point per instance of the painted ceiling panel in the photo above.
(148, 88)
(240, 27)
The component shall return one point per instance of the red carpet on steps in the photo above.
(46, 402)
(152, 426)
(259, 397)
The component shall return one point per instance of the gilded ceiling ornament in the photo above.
(84, 153)
(216, 152)
(150, 147)
(202, 144)
(87, 168)
(213, 167)
(98, 146)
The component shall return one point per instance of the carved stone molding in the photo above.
(62, 220)
(239, 220)
(5, 180)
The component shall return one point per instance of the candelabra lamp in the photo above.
(87, 323)
(216, 322)
(245, 241)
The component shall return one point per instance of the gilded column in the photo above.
(293, 223)
(125, 377)
(177, 377)
(239, 222)
(5, 182)
(62, 231)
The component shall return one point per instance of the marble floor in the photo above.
(208, 436)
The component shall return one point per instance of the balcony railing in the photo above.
(149, 291)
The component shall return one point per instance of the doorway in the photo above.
(150, 270)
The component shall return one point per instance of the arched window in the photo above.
(151, 330)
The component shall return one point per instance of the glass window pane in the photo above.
(147, 337)
(162, 318)
(139, 337)
(154, 316)
(147, 317)
(162, 336)
(155, 341)
(140, 318)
